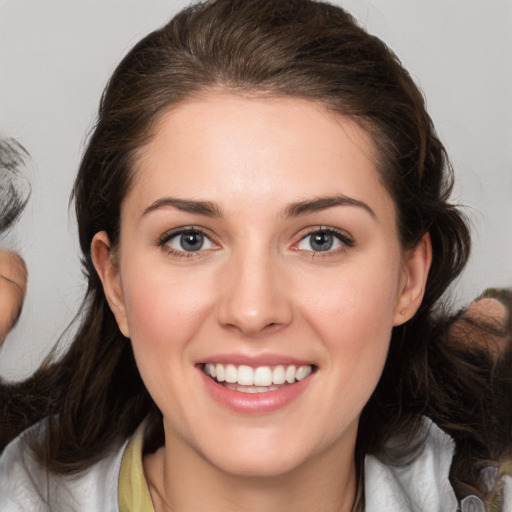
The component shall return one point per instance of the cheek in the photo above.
(354, 318)
(357, 304)
(165, 311)
(162, 304)
(159, 325)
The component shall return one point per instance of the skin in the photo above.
(13, 285)
(256, 289)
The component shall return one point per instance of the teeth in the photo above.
(262, 378)
(245, 375)
(279, 375)
(290, 374)
(231, 374)
(251, 389)
(302, 372)
(220, 372)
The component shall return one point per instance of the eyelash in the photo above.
(169, 235)
(344, 238)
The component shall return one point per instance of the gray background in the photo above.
(55, 57)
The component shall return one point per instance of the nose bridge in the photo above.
(253, 297)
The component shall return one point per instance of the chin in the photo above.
(262, 465)
(270, 458)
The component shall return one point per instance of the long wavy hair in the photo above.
(93, 394)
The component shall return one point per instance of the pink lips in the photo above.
(254, 403)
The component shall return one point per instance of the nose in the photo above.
(254, 298)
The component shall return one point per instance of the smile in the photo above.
(261, 379)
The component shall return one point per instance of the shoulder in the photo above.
(414, 476)
(416, 480)
(26, 485)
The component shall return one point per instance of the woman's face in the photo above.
(258, 244)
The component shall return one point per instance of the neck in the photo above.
(181, 480)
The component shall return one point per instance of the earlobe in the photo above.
(416, 266)
(108, 272)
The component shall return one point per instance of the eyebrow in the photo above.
(323, 203)
(206, 208)
(210, 209)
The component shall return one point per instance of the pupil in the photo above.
(321, 241)
(191, 241)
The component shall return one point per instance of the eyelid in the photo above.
(164, 237)
(172, 233)
(343, 237)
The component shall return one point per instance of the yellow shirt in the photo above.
(132, 492)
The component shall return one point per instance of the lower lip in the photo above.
(254, 403)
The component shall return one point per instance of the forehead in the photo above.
(228, 146)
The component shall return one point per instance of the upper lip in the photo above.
(255, 360)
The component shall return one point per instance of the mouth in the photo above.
(260, 379)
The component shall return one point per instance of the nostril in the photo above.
(272, 327)
(253, 306)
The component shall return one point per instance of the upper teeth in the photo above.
(261, 376)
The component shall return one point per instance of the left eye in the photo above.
(188, 241)
(323, 241)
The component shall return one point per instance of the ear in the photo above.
(416, 265)
(107, 268)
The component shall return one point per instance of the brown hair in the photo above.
(297, 48)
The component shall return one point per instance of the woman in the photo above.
(263, 213)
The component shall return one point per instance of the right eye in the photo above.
(188, 240)
(325, 241)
